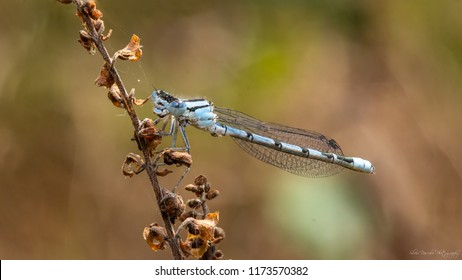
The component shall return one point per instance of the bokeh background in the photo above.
(383, 78)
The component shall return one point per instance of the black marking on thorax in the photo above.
(194, 100)
(192, 109)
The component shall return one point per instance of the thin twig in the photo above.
(128, 105)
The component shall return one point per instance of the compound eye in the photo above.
(176, 104)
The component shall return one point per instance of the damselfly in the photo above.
(302, 152)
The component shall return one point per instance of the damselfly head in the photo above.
(176, 107)
(161, 100)
(164, 95)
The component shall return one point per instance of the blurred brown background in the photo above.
(383, 78)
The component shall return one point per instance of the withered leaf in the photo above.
(197, 244)
(90, 8)
(105, 37)
(148, 131)
(132, 165)
(105, 78)
(99, 27)
(87, 42)
(140, 102)
(115, 96)
(164, 172)
(212, 218)
(185, 248)
(131, 52)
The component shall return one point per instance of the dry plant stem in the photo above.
(205, 209)
(150, 168)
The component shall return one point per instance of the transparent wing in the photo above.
(291, 163)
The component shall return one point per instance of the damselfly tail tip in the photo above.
(363, 165)
(370, 168)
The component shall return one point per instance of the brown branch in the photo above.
(97, 38)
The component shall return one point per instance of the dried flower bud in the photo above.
(200, 180)
(194, 203)
(207, 187)
(212, 194)
(191, 188)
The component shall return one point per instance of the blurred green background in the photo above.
(383, 78)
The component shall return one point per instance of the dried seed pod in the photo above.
(219, 234)
(172, 204)
(218, 255)
(175, 157)
(133, 164)
(155, 236)
(149, 132)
